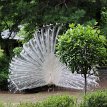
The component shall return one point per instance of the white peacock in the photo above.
(37, 65)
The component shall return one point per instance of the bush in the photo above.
(3, 70)
(95, 99)
(59, 101)
(104, 21)
(17, 50)
(55, 101)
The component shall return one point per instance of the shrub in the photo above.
(59, 101)
(95, 99)
(17, 50)
(104, 21)
(3, 70)
(55, 101)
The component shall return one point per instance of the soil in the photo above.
(6, 97)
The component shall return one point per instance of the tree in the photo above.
(81, 48)
(35, 13)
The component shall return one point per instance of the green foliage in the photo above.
(104, 21)
(26, 33)
(35, 13)
(1, 54)
(3, 69)
(104, 15)
(81, 47)
(17, 50)
(64, 15)
(6, 104)
(59, 101)
(91, 22)
(1, 105)
(54, 101)
(95, 99)
(14, 13)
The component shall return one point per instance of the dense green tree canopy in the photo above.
(82, 47)
(35, 13)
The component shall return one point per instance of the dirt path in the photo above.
(35, 97)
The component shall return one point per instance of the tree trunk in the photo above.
(85, 81)
(98, 10)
